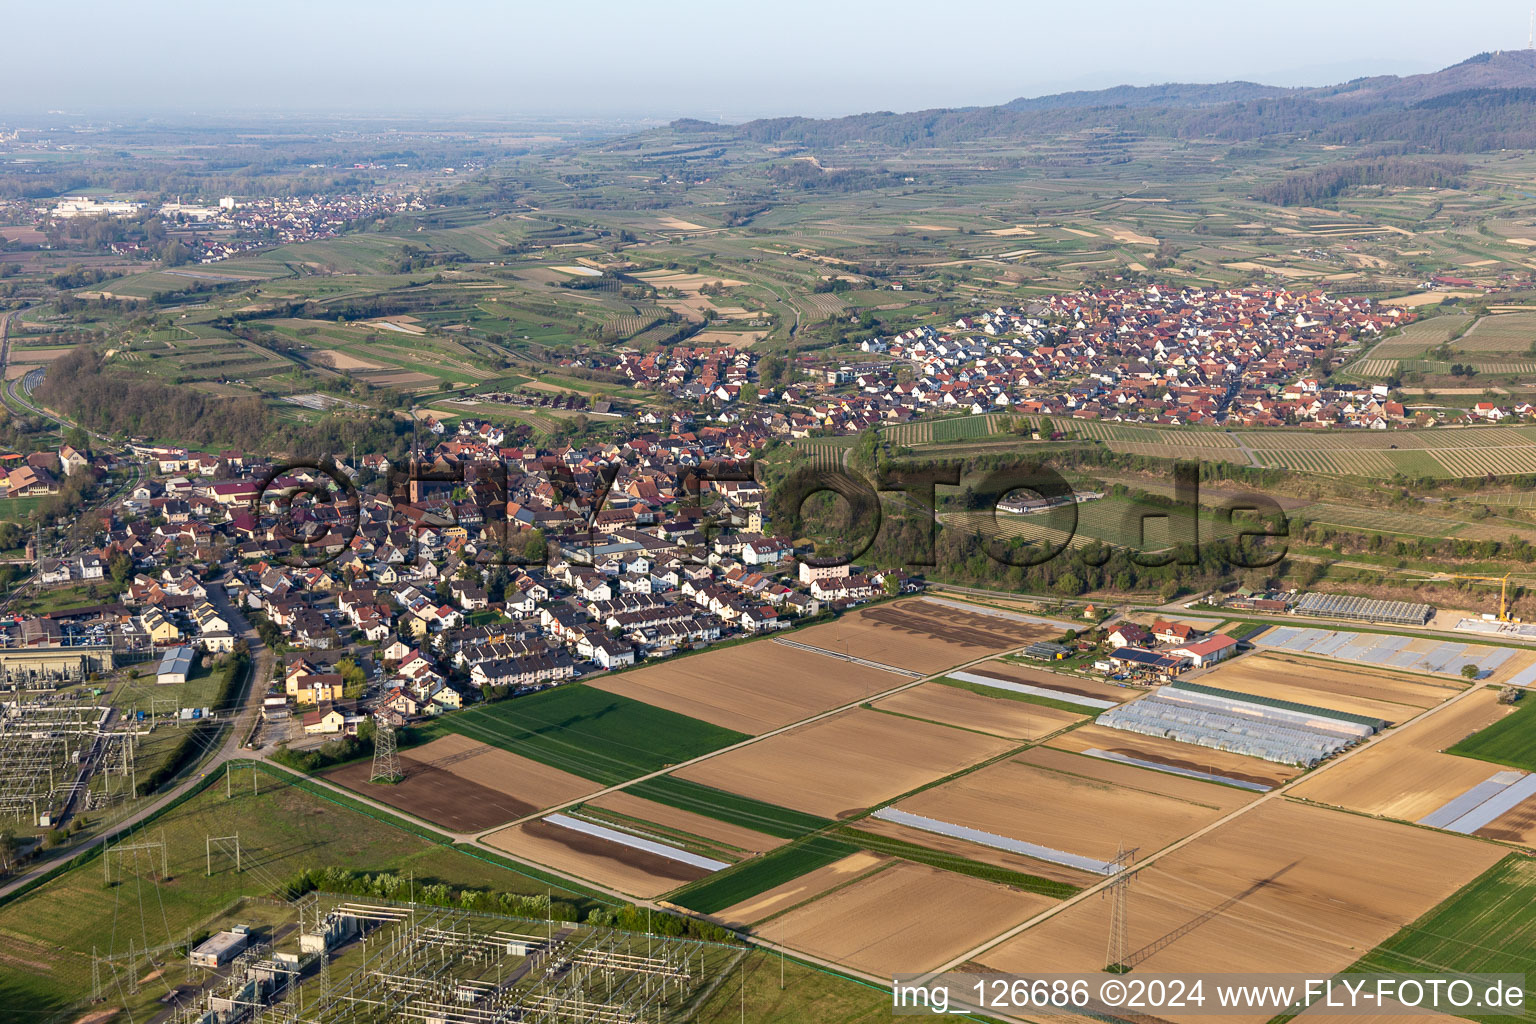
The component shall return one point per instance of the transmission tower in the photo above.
(1117, 892)
(386, 762)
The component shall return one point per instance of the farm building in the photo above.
(1364, 609)
(176, 666)
(1214, 648)
(1045, 650)
(1135, 658)
(1130, 634)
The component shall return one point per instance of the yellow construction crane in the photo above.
(1502, 581)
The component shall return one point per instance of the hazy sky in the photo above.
(720, 59)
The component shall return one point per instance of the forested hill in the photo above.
(1487, 102)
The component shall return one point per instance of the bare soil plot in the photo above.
(1054, 680)
(407, 377)
(1405, 775)
(744, 839)
(677, 224)
(800, 890)
(921, 636)
(465, 785)
(1285, 887)
(998, 716)
(1342, 687)
(909, 917)
(1073, 808)
(751, 688)
(606, 863)
(344, 361)
(1175, 754)
(735, 339)
(845, 764)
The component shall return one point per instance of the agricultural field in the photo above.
(1173, 754)
(964, 708)
(752, 687)
(602, 862)
(902, 918)
(921, 636)
(1413, 771)
(1260, 893)
(584, 731)
(732, 841)
(1421, 336)
(772, 873)
(802, 888)
(1510, 741)
(839, 766)
(466, 786)
(729, 808)
(1356, 689)
(1506, 333)
(1489, 926)
(1080, 806)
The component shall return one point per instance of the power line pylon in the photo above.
(386, 762)
(1117, 892)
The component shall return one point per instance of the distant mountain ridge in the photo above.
(1485, 102)
(1171, 94)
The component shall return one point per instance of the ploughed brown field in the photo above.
(1283, 888)
(998, 716)
(1337, 685)
(800, 890)
(907, 917)
(922, 636)
(605, 863)
(752, 688)
(1077, 804)
(1174, 754)
(845, 764)
(1406, 776)
(465, 785)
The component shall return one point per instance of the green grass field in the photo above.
(727, 888)
(1487, 927)
(599, 736)
(808, 994)
(1511, 740)
(728, 807)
